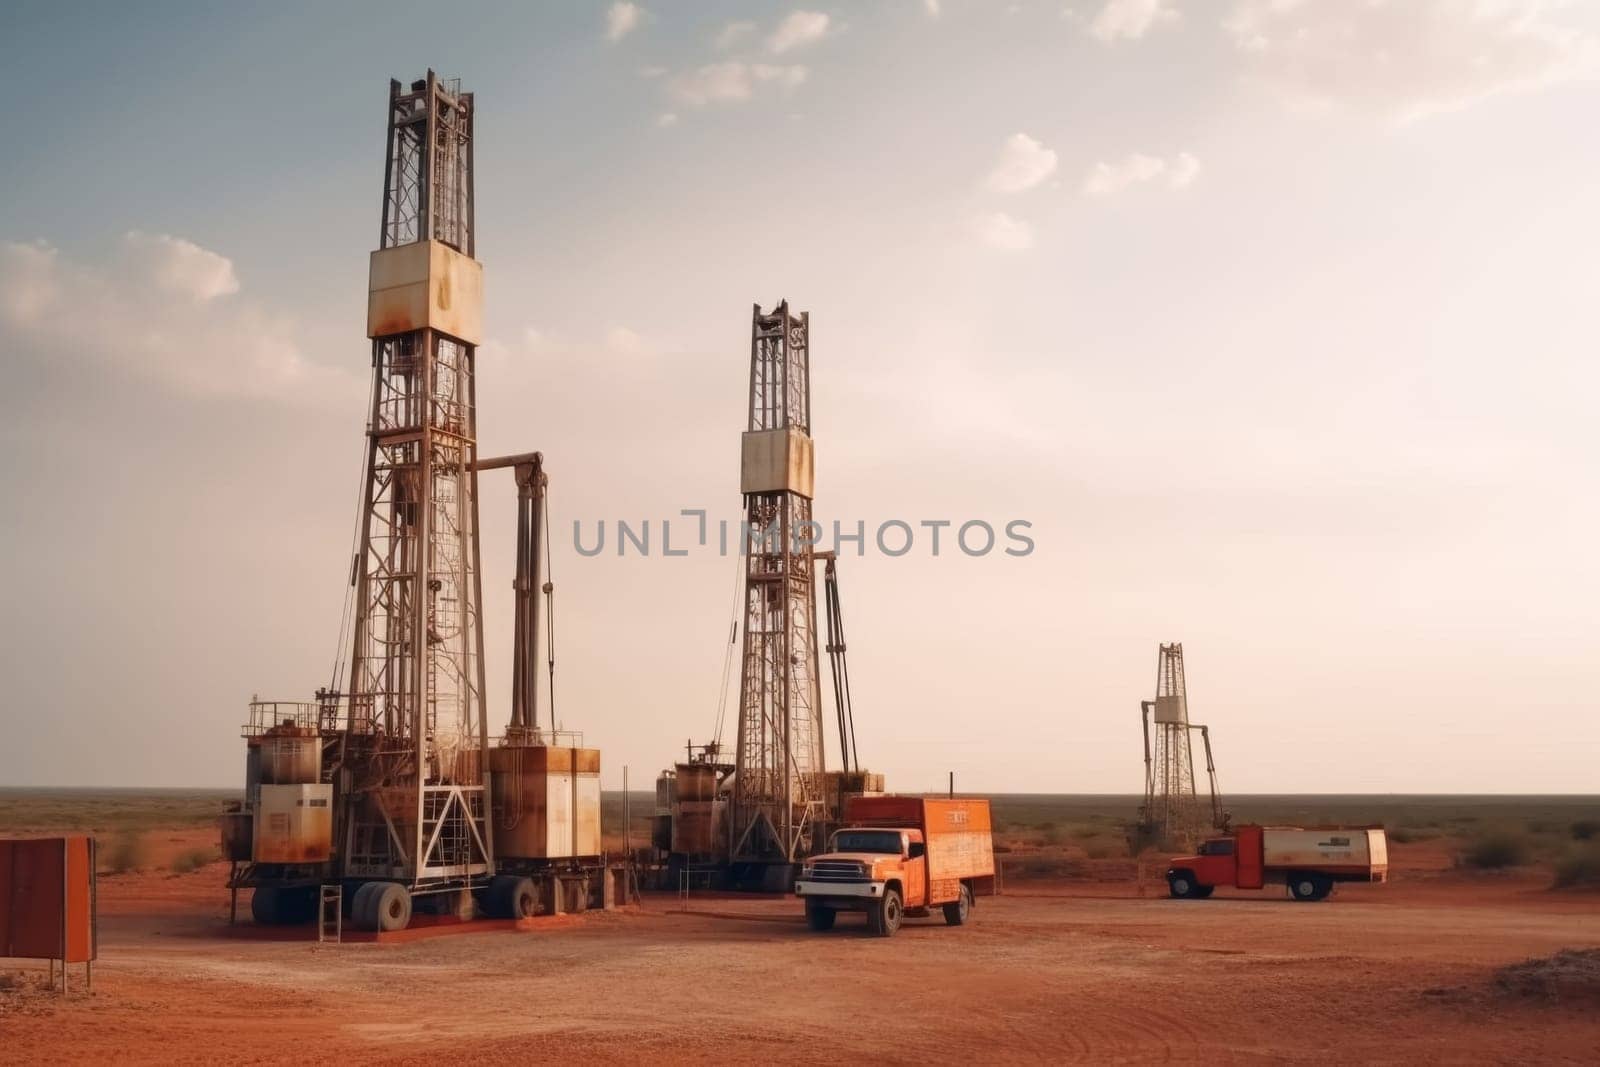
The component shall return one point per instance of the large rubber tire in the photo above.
(264, 906)
(288, 906)
(884, 918)
(390, 905)
(361, 914)
(1308, 887)
(1203, 892)
(957, 911)
(520, 898)
(1181, 884)
(819, 916)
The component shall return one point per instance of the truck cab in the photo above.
(1214, 863)
(880, 870)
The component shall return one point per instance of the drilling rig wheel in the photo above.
(512, 896)
(390, 905)
(361, 914)
(283, 906)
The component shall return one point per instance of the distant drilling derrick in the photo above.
(777, 797)
(1172, 810)
(416, 708)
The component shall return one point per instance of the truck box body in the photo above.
(1356, 851)
(959, 835)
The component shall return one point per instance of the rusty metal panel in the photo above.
(237, 831)
(47, 898)
(294, 824)
(425, 285)
(774, 461)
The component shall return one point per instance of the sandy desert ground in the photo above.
(1054, 970)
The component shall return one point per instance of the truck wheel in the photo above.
(1305, 887)
(956, 912)
(390, 906)
(884, 919)
(819, 916)
(1203, 892)
(1182, 885)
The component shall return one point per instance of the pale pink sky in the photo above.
(1275, 320)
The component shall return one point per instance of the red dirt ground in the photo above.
(1049, 972)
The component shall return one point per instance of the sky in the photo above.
(1273, 320)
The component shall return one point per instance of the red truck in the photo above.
(1307, 861)
(899, 856)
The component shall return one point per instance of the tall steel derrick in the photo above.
(777, 795)
(416, 740)
(1172, 809)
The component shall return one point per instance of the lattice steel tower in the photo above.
(777, 795)
(1171, 807)
(415, 808)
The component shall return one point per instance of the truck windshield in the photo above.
(1220, 847)
(867, 841)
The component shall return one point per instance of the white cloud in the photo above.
(733, 33)
(652, 72)
(731, 82)
(1130, 20)
(1185, 169)
(666, 118)
(1105, 179)
(183, 267)
(999, 230)
(931, 7)
(152, 309)
(1023, 163)
(1405, 60)
(622, 19)
(799, 29)
(624, 341)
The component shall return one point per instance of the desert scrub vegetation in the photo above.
(1496, 849)
(1579, 868)
(1585, 829)
(1406, 835)
(127, 852)
(192, 860)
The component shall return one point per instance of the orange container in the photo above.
(47, 898)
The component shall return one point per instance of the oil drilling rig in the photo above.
(751, 821)
(390, 790)
(1172, 812)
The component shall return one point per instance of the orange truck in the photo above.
(1308, 861)
(900, 856)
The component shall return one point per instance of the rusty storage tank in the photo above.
(699, 827)
(546, 801)
(696, 781)
(289, 755)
